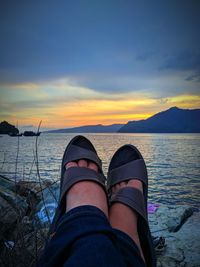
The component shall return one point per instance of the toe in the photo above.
(117, 187)
(82, 163)
(136, 183)
(93, 166)
(71, 164)
(122, 184)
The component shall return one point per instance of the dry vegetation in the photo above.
(22, 234)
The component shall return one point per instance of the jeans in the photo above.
(85, 238)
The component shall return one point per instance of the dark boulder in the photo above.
(12, 209)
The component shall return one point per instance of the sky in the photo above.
(82, 62)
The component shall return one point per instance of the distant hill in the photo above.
(6, 128)
(173, 120)
(99, 128)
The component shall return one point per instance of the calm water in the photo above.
(173, 160)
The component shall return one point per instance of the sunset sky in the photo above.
(80, 62)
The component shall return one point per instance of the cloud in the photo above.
(193, 77)
(67, 90)
(183, 61)
(163, 100)
(158, 83)
(145, 56)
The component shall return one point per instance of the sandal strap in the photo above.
(135, 169)
(76, 174)
(133, 198)
(75, 153)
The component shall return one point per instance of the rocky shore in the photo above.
(180, 226)
(27, 207)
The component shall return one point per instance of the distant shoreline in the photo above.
(118, 133)
(173, 120)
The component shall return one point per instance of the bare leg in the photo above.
(124, 218)
(86, 192)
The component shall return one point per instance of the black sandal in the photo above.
(78, 148)
(127, 163)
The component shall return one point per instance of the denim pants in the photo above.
(85, 238)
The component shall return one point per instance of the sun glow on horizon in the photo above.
(64, 105)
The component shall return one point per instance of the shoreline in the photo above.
(24, 221)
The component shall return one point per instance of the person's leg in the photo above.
(127, 184)
(84, 236)
(86, 192)
(123, 217)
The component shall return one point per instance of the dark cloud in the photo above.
(105, 45)
(184, 61)
(110, 84)
(194, 77)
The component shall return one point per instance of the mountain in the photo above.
(99, 128)
(6, 128)
(173, 120)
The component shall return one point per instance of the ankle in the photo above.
(86, 193)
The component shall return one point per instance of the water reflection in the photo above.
(172, 160)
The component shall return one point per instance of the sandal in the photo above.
(127, 163)
(78, 148)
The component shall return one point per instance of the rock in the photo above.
(188, 239)
(8, 218)
(182, 245)
(12, 210)
(31, 191)
(25, 187)
(169, 218)
(7, 183)
(20, 239)
(176, 220)
(16, 201)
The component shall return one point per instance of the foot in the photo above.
(86, 192)
(124, 218)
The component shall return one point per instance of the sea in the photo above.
(173, 161)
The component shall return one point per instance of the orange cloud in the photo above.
(61, 105)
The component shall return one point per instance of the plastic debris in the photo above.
(152, 207)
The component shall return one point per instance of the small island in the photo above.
(11, 130)
(30, 133)
(6, 128)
